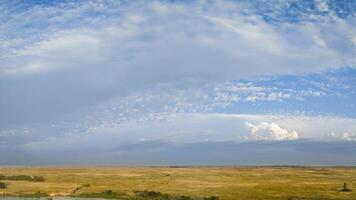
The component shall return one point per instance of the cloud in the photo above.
(341, 136)
(270, 131)
(230, 92)
(74, 73)
(189, 127)
(349, 136)
(148, 109)
(322, 5)
(151, 42)
(166, 133)
(60, 52)
(80, 54)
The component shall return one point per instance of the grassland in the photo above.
(265, 183)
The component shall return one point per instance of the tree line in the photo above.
(22, 178)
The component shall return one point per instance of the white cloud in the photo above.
(270, 131)
(273, 96)
(229, 92)
(349, 136)
(322, 5)
(341, 136)
(198, 127)
(276, 96)
(135, 43)
(67, 57)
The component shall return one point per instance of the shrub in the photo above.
(108, 192)
(38, 179)
(345, 188)
(2, 185)
(151, 194)
(37, 194)
(184, 198)
(146, 194)
(211, 198)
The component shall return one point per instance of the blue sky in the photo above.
(113, 82)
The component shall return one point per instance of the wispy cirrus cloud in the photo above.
(222, 35)
(76, 41)
(74, 72)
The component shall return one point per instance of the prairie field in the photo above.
(322, 183)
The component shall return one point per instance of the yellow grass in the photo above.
(224, 182)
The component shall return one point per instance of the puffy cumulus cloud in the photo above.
(194, 128)
(159, 104)
(270, 131)
(95, 140)
(95, 73)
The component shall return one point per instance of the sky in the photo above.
(230, 82)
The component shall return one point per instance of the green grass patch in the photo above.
(3, 185)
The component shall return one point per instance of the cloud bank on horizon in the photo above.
(114, 78)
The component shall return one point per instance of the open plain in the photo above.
(227, 183)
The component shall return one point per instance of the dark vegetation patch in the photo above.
(345, 188)
(180, 166)
(106, 194)
(37, 194)
(22, 178)
(3, 185)
(158, 195)
(142, 195)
